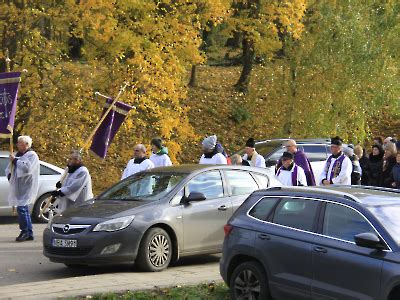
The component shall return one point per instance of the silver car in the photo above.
(49, 175)
(154, 217)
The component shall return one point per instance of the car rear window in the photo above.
(296, 213)
(263, 208)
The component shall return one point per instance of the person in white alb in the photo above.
(338, 166)
(159, 156)
(211, 155)
(252, 158)
(138, 163)
(23, 174)
(77, 186)
(290, 174)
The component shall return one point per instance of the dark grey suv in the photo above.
(314, 243)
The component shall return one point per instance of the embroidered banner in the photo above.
(109, 127)
(9, 84)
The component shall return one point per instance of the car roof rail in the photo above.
(375, 188)
(319, 190)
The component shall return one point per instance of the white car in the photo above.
(49, 175)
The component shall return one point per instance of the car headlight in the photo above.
(114, 224)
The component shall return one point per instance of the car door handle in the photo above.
(263, 236)
(320, 249)
(223, 207)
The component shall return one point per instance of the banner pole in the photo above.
(8, 69)
(89, 139)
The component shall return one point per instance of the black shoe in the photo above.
(24, 237)
(18, 237)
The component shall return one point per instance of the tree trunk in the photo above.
(193, 77)
(248, 62)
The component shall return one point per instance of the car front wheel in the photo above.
(41, 204)
(248, 281)
(155, 250)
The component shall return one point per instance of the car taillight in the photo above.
(227, 229)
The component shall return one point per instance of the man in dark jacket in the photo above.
(375, 165)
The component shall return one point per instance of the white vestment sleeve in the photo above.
(220, 159)
(25, 166)
(260, 162)
(76, 185)
(301, 176)
(344, 176)
(126, 171)
(167, 161)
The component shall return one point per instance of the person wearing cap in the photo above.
(290, 174)
(77, 186)
(138, 163)
(159, 156)
(338, 166)
(300, 158)
(211, 155)
(251, 156)
(356, 168)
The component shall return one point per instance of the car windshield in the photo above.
(143, 186)
(389, 216)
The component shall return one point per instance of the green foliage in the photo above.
(239, 114)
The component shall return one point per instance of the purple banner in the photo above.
(109, 127)
(9, 83)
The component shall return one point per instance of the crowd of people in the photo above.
(346, 165)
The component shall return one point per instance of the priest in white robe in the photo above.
(23, 174)
(77, 186)
(338, 167)
(252, 158)
(290, 174)
(138, 163)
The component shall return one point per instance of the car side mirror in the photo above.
(194, 196)
(369, 240)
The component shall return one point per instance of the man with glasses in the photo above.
(300, 159)
(338, 166)
(138, 163)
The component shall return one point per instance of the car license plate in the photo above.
(65, 243)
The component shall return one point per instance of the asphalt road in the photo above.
(24, 262)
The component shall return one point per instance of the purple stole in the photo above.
(294, 174)
(336, 165)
